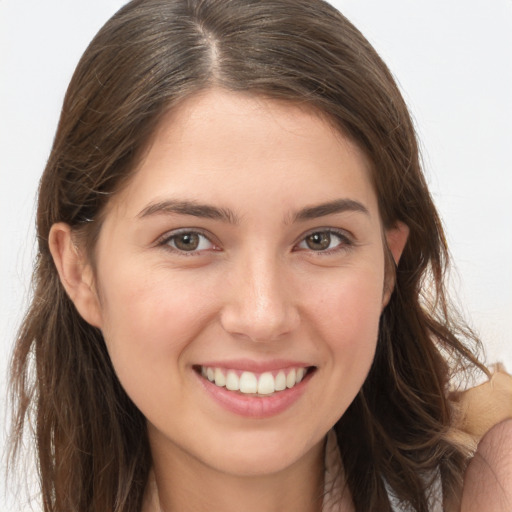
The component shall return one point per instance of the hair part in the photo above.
(148, 58)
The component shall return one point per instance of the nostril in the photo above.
(259, 325)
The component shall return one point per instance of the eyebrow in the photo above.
(330, 208)
(206, 211)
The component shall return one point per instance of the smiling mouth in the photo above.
(255, 384)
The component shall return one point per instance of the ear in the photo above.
(396, 238)
(75, 273)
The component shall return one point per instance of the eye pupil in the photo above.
(318, 241)
(187, 241)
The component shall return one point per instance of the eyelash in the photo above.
(345, 241)
(168, 238)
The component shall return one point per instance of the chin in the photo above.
(260, 454)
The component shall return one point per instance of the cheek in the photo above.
(347, 322)
(145, 304)
(348, 307)
(148, 323)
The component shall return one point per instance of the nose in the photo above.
(259, 302)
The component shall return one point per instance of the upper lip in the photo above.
(249, 365)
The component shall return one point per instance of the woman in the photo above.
(240, 271)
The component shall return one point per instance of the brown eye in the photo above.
(326, 241)
(318, 241)
(189, 241)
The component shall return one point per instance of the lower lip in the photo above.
(255, 406)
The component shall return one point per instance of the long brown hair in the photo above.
(92, 447)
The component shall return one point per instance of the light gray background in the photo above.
(452, 58)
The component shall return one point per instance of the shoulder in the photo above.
(488, 478)
(486, 417)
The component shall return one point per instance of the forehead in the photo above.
(223, 146)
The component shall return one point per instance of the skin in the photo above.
(488, 478)
(253, 290)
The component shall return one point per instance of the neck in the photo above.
(185, 484)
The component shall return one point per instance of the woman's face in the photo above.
(248, 250)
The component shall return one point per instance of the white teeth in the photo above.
(250, 383)
(290, 379)
(232, 381)
(266, 384)
(220, 378)
(280, 381)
